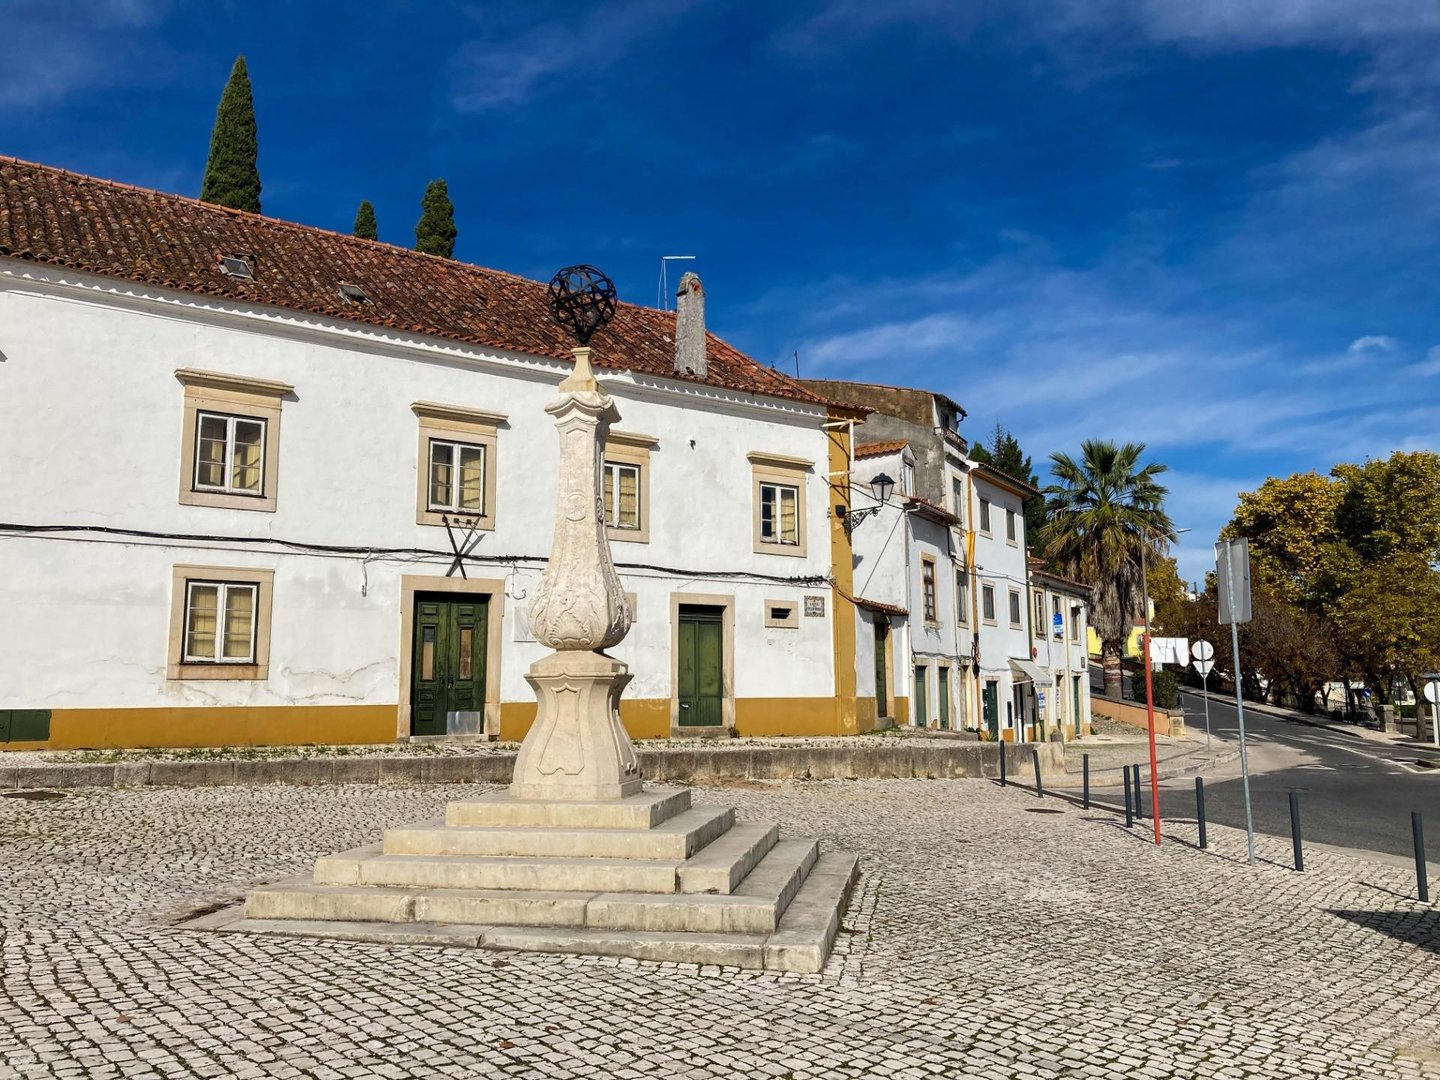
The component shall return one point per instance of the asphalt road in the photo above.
(1354, 792)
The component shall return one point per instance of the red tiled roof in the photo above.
(102, 227)
(880, 449)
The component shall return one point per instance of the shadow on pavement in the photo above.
(1417, 927)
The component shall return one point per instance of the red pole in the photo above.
(1150, 715)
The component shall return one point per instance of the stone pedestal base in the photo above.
(577, 750)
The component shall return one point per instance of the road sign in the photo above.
(1202, 650)
(1040, 698)
(1232, 570)
(1432, 692)
(1204, 667)
(1058, 622)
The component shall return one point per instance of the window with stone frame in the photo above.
(962, 598)
(220, 623)
(987, 603)
(985, 516)
(927, 589)
(230, 440)
(779, 494)
(1016, 612)
(457, 467)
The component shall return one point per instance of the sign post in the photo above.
(1232, 571)
(1204, 654)
(1432, 695)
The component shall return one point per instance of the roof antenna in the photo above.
(662, 295)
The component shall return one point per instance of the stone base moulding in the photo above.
(577, 749)
(647, 876)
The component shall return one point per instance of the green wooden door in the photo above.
(991, 701)
(882, 686)
(1075, 682)
(944, 695)
(448, 665)
(701, 666)
(922, 707)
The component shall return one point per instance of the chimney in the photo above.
(690, 327)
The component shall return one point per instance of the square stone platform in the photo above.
(648, 876)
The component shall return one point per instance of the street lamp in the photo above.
(1149, 686)
(880, 488)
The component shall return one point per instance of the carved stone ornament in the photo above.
(577, 749)
(580, 604)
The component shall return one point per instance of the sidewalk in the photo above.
(1109, 753)
(1317, 720)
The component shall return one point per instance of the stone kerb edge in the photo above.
(932, 759)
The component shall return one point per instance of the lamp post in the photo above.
(880, 488)
(1150, 689)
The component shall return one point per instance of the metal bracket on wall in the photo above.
(465, 545)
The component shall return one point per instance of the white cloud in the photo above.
(1372, 343)
(56, 48)
(1427, 367)
(1252, 24)
(502, 72)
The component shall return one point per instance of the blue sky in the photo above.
(1213, 227)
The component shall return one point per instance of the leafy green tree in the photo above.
(232, 173)
(1391, 506)
(365, 226)
(1389, 620)
(435, 233)
(1003, 452)
(1290, 523)
(1167, 592)
(1103, 510)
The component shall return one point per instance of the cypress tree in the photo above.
(435, 233)
(365, 227)
(232, 176)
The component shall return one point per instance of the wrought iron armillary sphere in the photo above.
(582, 300)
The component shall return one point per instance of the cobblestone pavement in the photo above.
(984, 941)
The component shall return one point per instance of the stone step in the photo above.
(652, 807)
(394, 893)
(371, 866)
(678, 838)
(780, 874)
(299, 899)
(807, 930)
(723, 864)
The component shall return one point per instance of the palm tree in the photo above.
(1104, 508)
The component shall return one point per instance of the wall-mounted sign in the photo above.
(815, 606)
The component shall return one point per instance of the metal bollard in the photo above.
(1139, 797)
(1422, 883)
(1200, 809)
(1129, 819)
(1003, 782)
(1085, 790)
(1295, 829)
(1039, 787)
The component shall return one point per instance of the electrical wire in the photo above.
(368, 554)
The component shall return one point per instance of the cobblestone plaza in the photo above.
(984, 940)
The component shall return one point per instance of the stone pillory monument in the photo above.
(578, 855)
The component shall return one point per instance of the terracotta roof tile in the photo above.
(880, 449)
(102, 227)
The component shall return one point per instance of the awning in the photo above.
(1030, 672)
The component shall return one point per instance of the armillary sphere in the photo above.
(582, 300)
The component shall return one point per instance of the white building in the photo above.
(1060, 621)
(263, 483)
(944, 565)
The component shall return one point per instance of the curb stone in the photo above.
(930, 760)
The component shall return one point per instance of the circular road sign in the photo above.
(1202, 650)
(1432, 692)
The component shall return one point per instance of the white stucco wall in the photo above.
(90, 434)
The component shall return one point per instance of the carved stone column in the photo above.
(577, 749)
